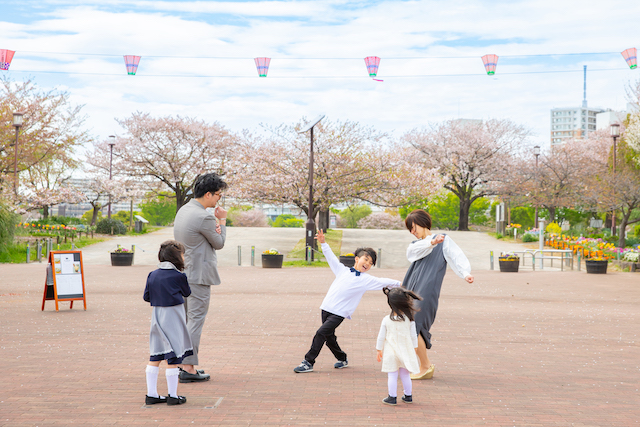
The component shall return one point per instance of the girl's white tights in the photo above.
(152, 380)
(172, 381)
(393, 382)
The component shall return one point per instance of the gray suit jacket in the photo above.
(195, 228)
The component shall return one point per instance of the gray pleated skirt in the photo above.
(169, 337)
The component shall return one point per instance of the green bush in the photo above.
(445, 211)
(8, 221)
(636, 230)
(527, 237)
(287, 221)
(160, 211)
(349, 217)
(106, 226)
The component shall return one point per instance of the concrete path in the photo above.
(392, 242)
(513, 349)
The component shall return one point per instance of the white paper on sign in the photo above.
(66, 263)
(69, 285)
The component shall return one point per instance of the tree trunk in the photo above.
(623, 226)
(45, 212)
(463, 218)
(180, 197)
(323, 219)
(96, 208)
(552, 214)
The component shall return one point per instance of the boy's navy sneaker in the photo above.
(341, 364)
(390, 400)
(303, 367)
(407, 399)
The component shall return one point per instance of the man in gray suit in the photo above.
(201, 234)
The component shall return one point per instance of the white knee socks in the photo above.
(152, 380)
(392, 382)
(172, 381)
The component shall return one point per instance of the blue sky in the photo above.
(197, 59)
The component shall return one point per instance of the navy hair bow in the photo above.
(353, 270)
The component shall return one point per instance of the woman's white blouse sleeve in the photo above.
(420, 249)
(456, 259)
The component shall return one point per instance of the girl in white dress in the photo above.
(397, 343)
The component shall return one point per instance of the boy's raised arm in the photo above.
(334, 263)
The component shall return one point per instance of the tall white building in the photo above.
(567, 123)
(573, 122)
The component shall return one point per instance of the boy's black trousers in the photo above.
(326, 334)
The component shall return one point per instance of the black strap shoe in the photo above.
(186, 377)
(176, 400)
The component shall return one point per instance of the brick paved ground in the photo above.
(534, 349)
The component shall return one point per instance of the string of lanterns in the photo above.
(490, 62)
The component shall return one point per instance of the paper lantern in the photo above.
(373, 62)
(490, 62)
(5, 58)
(631, 56)
(262, 64)
(131, 61)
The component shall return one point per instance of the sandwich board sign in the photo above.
(65, 278)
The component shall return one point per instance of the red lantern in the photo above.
(262, 64)
(131, 61)
(490, 63)
(631, 56)
(373, 62)
(5, 58)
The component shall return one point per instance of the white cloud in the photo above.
(293, 33)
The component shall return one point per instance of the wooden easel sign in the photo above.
(65, 278)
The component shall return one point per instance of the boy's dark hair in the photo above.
(360, 252)
(172, 251)
(401, 302)
(418, 217)
(208, 183)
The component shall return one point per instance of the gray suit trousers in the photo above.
(196, 307)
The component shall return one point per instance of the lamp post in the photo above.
(615, 133)
(536, 152)
(112, 142)
(17, 123)
(310, 225)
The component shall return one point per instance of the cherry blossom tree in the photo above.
(170, 151)
(606, 189)
(45, 184)
(473, 157)
(51, 129)
(351, 163)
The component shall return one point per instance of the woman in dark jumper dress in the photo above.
(429, 257)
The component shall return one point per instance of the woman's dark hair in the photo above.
(401, 302)
(172, 251)
(208, 183)
(418, 217)
(360, 252)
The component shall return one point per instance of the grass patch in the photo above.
(333, 238)
(16, 253)
(145, 230)
(303, 263)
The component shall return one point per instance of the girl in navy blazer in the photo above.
(169, 337)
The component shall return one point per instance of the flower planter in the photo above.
(596, 267)
(121, 259)
(348, 261)
(272, 261)
(509, 266)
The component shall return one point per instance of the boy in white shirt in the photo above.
(341, 300)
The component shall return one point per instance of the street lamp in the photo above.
(112, 142)
(310, 225)
(536, 152)
(17, 123)
(615, 133)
